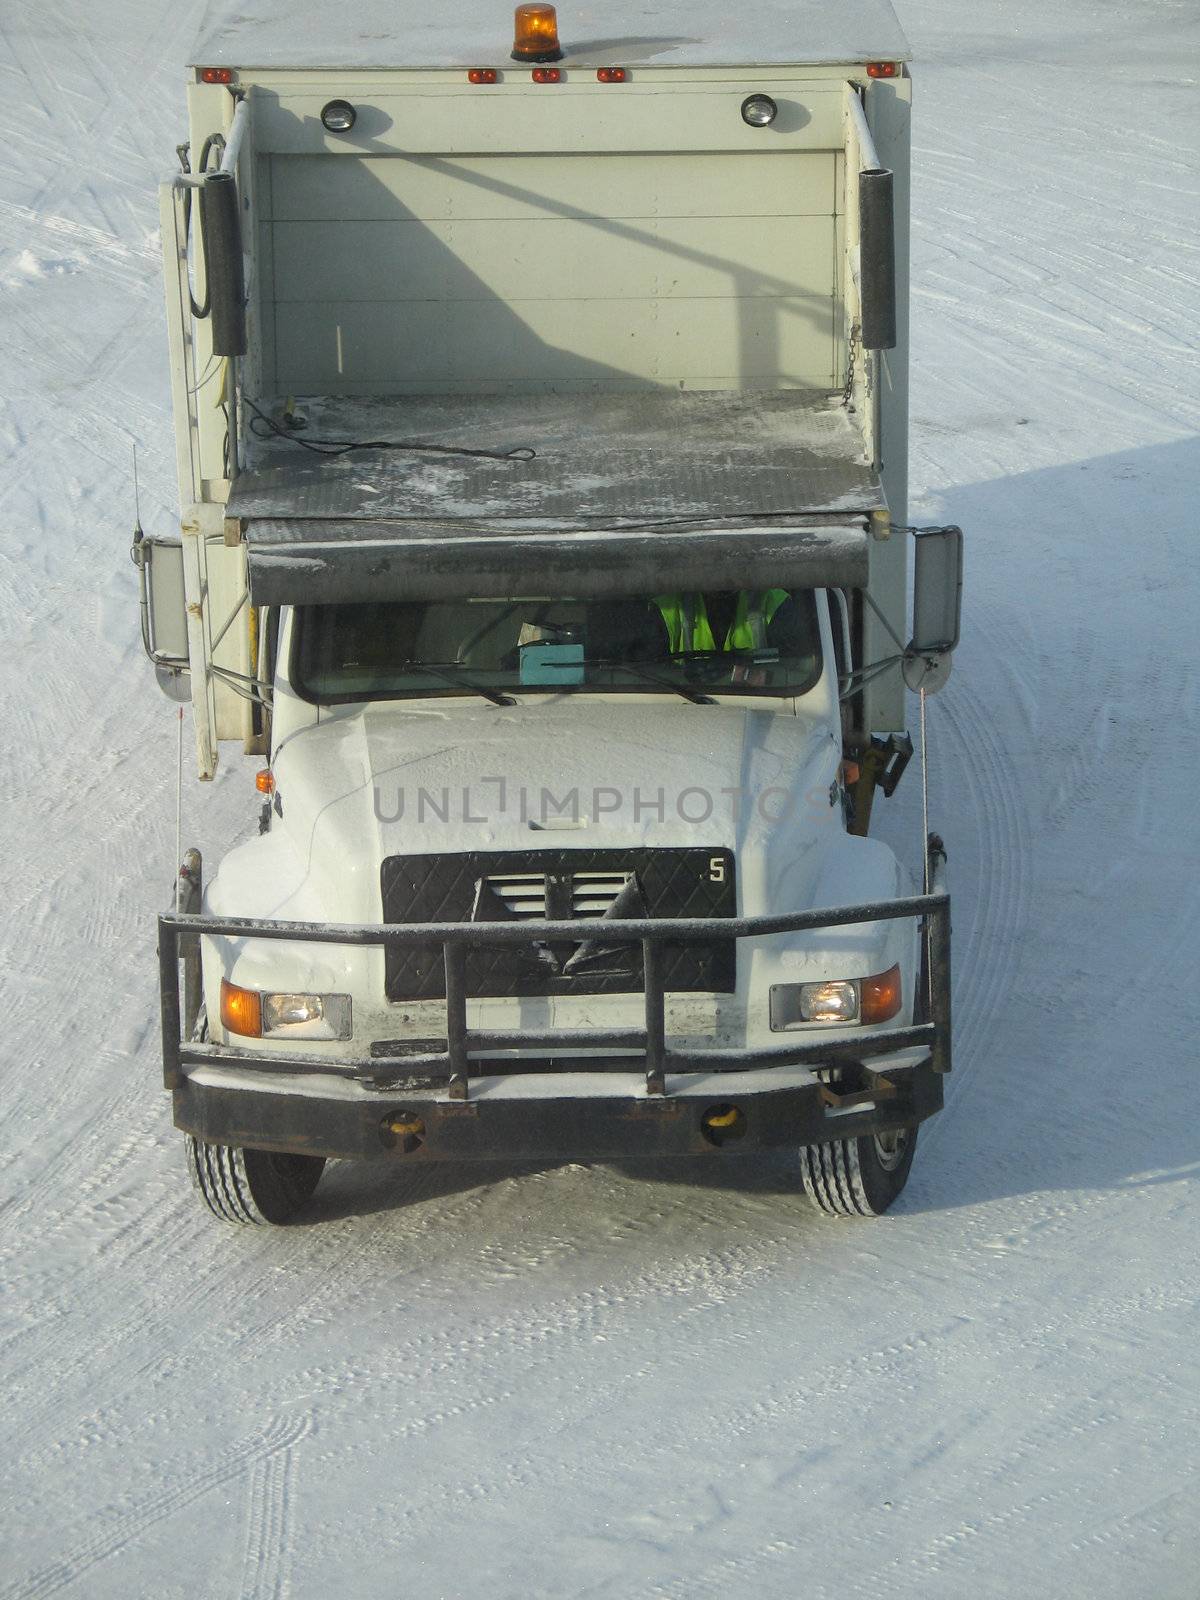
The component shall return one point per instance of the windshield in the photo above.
(694, 645)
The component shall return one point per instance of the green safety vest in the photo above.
(688, 628)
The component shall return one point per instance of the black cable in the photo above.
(342, 447)
(213, 141)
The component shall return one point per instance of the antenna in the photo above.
(139, 554)
(138, 535)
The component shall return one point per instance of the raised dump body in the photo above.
(611, 225)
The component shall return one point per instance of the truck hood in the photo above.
(367, 782)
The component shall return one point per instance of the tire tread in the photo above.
(834, 1180)
(263, 1190)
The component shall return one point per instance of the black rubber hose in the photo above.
(215, 141)
(877, 259)
(221, 233)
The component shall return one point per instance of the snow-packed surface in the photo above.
(583, 1382)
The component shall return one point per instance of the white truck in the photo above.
(540, 404)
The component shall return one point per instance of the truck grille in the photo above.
(525, 893)
(559, 885)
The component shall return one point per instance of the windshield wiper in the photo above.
(450, 672)
(696, 697)
(766, 657)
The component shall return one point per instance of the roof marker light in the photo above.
(611, 74)
(759, 110)
(535, 34)
(547, 75)
(216, 74)
(482, 75)
(882, 69)
(339, 116)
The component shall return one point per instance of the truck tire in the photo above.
(858, 1177)
(251, 1185)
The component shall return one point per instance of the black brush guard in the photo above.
(238, 1114)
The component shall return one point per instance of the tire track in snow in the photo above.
(1185, 1502)
(91, 1160)
(1056, 1432)
(725, 1434)
(119, 1528)
(94, 246)
(268, 1527)
(131, 1112)
(718, 1432)
(287, 1326)
(1081, 774)
(495, 1258)
(184, 1291)
(988, 963)
(719, 1576)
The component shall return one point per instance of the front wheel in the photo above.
(251, 1185)
(858, 1177)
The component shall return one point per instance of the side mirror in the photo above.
(168, 640)
(174, 682)
(937, 608)
(163, 609)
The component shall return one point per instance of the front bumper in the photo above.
(553, 1116)
(887, 1078)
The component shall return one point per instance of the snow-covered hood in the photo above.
(367, 782)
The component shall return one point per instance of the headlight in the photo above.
(298, 1016)
(829, 1002)
(840, 1000)
(307, 1016)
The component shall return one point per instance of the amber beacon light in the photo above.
(535, 34)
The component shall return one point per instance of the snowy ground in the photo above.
(576, 1382)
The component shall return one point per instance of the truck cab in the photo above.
(546, 544)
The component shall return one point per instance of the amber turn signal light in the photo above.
(264, 781)
(880, 996)
(535, 34)
(241, 1010)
